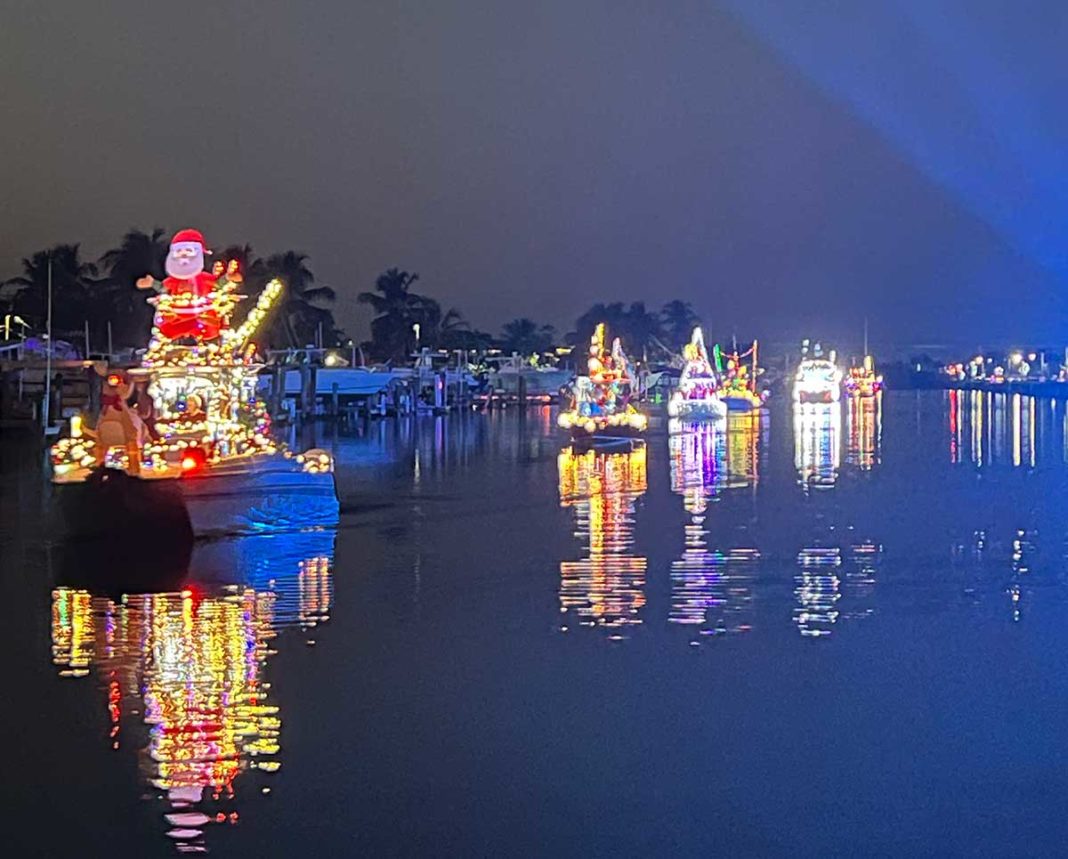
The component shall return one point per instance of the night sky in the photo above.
(788, 167)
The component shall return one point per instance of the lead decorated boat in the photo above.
(194, 452)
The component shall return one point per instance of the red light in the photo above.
(114, 379)
(193, 460)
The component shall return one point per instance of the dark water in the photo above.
(833, 632)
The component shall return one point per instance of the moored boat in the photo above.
(512, 374)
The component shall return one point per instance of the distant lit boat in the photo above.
(862, 381)
(818, 379)
(739, 389)
(697, 397)
(601, 410)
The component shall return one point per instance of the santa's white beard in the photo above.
(185, 267)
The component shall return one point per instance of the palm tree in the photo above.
(438, 328)
(299, 318)
(245, 256)
(613, 315)
(678, 320)
(641, 329)
(74, 283)
(396, 309)
(636, 327)
(139, 254)
(526, 336)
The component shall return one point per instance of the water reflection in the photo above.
(607, 587)
(746, 437)
(698, 462)
(865, 431)
(429, 451)
(708, 588)
(860, 578)
(698, 465)
(1023, 553)
(817, 444)
(833, 585)
(183, 673)
(996, 428)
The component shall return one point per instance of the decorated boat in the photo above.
(601, 410)
(818, 379)
(182, 443)
(863, 381)
(739, 389)
(697, 397)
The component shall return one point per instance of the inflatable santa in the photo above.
(187, 306)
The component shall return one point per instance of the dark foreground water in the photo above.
(837, 631)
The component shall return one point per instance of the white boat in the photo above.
(236, 497)
(349, 381)
(697, 397)
(195, 455)
(818, 379)
(539, 381)
(268, 493)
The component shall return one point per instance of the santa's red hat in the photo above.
(189, 236)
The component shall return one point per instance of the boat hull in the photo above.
(270, 494)
(862, 391)
(606, 437)
(537, 383)
(269, 497)
(742, 404)
(697, 410)
(112, 504)
(819, 397)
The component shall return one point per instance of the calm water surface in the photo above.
(824, 631)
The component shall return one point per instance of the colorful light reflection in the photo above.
(183, 674)
(606, 588)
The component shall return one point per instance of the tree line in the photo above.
(101, 293)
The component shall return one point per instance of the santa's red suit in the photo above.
(199, 319)
(190, 310)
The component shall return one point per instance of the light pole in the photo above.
(45, 415)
